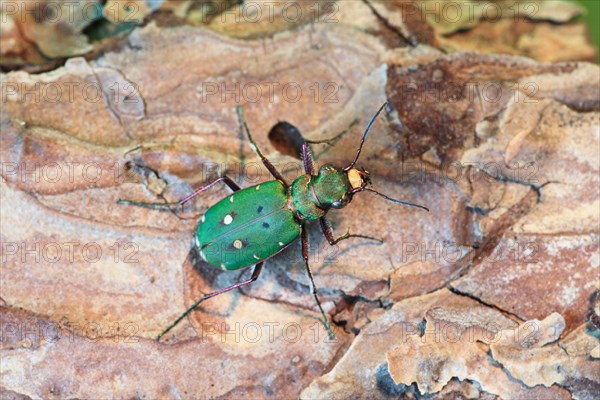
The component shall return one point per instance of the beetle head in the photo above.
(358, 178)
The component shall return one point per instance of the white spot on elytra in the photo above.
(255, 256)
(223, 267)
(228, 219)
(258, 187)
(203, 218)
(281, 243)
(238, 244)
(202, 255)
(231, 199)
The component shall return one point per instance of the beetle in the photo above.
(252, 225)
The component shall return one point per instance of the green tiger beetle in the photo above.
(254, 224)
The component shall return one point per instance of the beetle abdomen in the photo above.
(246, 227)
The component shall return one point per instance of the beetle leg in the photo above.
(328, 232)
(255, 148)
(307, 159)
(304, 234)
(331, 141)
(307, 155)
(254, 277)
(227, 180)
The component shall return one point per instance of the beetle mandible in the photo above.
(253, 224)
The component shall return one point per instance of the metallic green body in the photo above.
(313, 196)
(303, 198)
(331, 187)
(246, 227)
(254, 224)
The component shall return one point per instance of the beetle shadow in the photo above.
(349, 248)
(288, 140)
(274, 285)
(213, 279)
(339, 249)
(278, 269)
(287, 292)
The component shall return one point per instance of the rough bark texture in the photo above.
(493, 293)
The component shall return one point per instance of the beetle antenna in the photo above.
(396, 200)
(364, 136)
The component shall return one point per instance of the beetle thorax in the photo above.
(331, 187)
(313, 196)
